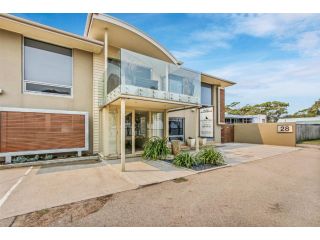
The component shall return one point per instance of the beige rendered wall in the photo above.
(11, 81)
(190, 119)
(264, 133)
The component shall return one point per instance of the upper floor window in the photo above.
(47, 68)
(113, 74)
(206, 94)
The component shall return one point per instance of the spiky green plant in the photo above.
(156, 148)
(210, 156)
(185, 159)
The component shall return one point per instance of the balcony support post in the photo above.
(123, 133)
(166, 124)
(167, 78)
(133, 123)
(106, 53)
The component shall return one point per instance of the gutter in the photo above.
(211, 76)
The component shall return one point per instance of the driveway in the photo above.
(236, 153)
(24, 190)
(283, 190)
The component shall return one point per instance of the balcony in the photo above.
(140, 75)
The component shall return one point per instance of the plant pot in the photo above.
(191, 142)
(203, 141)
(176, 147)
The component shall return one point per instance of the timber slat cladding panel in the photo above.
(222, 105)
(28, 131)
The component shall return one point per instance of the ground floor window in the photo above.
(176, 128)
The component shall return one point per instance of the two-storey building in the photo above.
(106, 92)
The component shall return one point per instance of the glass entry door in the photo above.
(128, 132)
(141, 123)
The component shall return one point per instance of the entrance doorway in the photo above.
(128, 132)
(140, 125)
(141, 131)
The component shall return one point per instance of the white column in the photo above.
(123, 134)
(149, 130)
(166, 124)
(118, 124)
(133, 123)
(167, 78)
(105, 131)
(106, 53)
(197, 129)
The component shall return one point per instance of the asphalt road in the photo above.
(278, 191)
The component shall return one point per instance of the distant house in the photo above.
(231, 119)
(306, 120)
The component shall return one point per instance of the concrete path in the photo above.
(24, 190)
(140, 172)
(49, 186)
(236, 153)
(282, 190)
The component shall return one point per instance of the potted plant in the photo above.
(191, 142)
(203, 141)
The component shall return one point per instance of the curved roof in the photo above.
(124, 35)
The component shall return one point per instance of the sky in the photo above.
(269, 56)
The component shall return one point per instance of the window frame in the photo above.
(25, 81)
(212, 93)
(183, 128)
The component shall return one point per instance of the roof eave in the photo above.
(42, 27)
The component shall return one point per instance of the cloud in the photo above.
(307, 44)
(295, 81)
(285, 67)
(288, 32)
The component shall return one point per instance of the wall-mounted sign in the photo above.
(284, 128)
(206, 122)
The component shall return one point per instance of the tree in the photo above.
(273, 110)
(312, 111)
(231, 107)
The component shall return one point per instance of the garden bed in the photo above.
(207, 158)
(200, 167)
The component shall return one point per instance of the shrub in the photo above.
(210, 156)
(185, 159)
(23, 159)
(156, 148)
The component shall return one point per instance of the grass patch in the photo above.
(314, 142)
